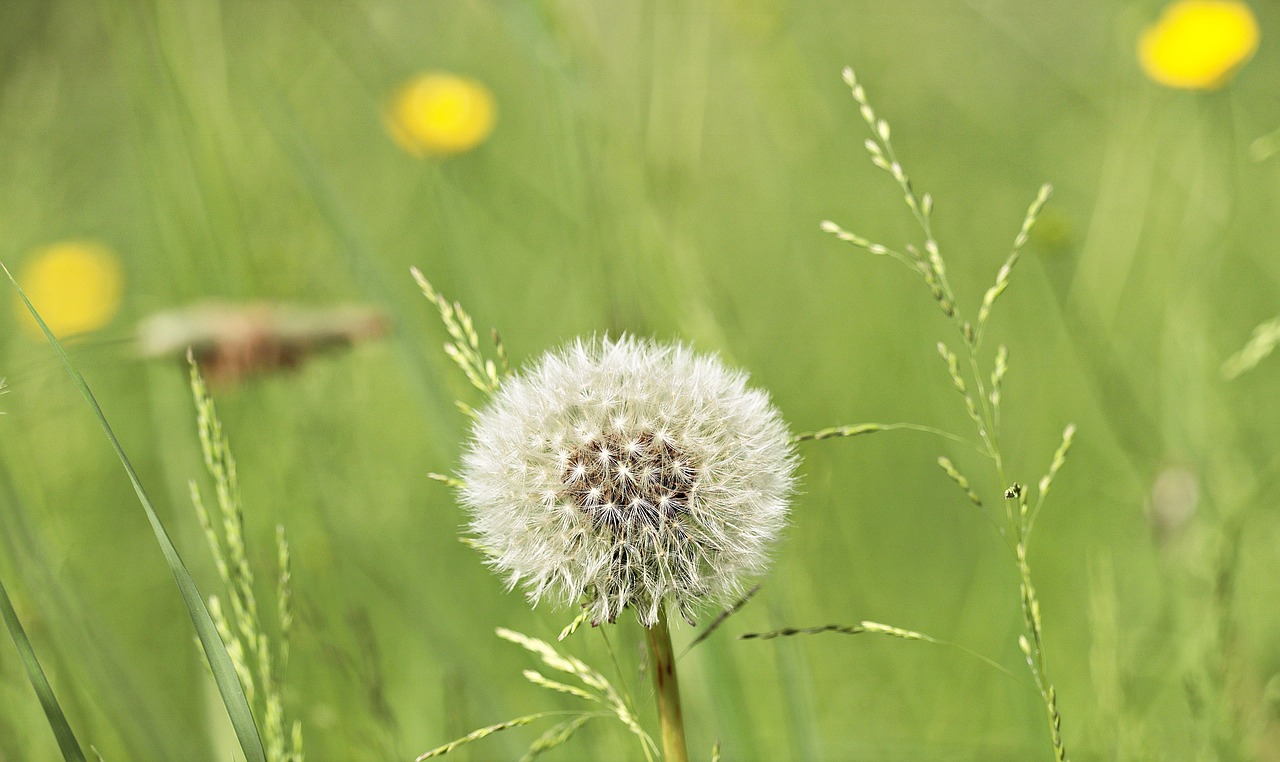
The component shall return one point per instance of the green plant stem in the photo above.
(662, 662)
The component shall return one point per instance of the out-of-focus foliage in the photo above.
(658, 168)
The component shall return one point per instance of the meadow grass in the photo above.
(657, 170)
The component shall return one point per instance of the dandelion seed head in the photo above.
(670, 486)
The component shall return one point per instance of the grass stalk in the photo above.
(666, 687)
(982, 403)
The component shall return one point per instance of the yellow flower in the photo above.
(75, 285)
(1198, 44)
(439, 114)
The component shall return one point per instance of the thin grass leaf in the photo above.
(1261, 344)
(721, 619)
(233, 696)
(476, 735)
(558, 735)
(871, 628)
(67, 742)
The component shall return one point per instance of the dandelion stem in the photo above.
(662, 662)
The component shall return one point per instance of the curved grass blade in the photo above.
(215, 650)
(71, 750)
(721, 619)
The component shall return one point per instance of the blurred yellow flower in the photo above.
(1198, 44)
(439, 114)
(75, 285)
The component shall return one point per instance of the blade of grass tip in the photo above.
(215, 650)
(71, 750)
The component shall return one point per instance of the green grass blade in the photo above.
(215, 650)
(71, 750)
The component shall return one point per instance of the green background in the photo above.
(658, 168)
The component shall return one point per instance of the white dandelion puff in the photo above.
(628, 473)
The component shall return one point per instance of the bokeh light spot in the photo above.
(1198, 44)
(441, 114)
(76, 286)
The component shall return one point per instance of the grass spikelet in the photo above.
(961, 481)
(606, 694)
(1002, 276)
(897, 632)
(838, 431)
(998, 371)
(582, 618)
(448, 481)
(553, 658)
(968, 377)
(538, 679)
(557, 735)
(464, 350)
(257, 657)
(484, 732)
(859, 429)
(957, 380)
(284, 593)
(786, 632)
(861, 628)
(1260, 345)
(871, 628)
(1046, 481)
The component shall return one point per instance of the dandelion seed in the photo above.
(76, 286)
(678, 486)
(1198, 44)
(441, 114)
